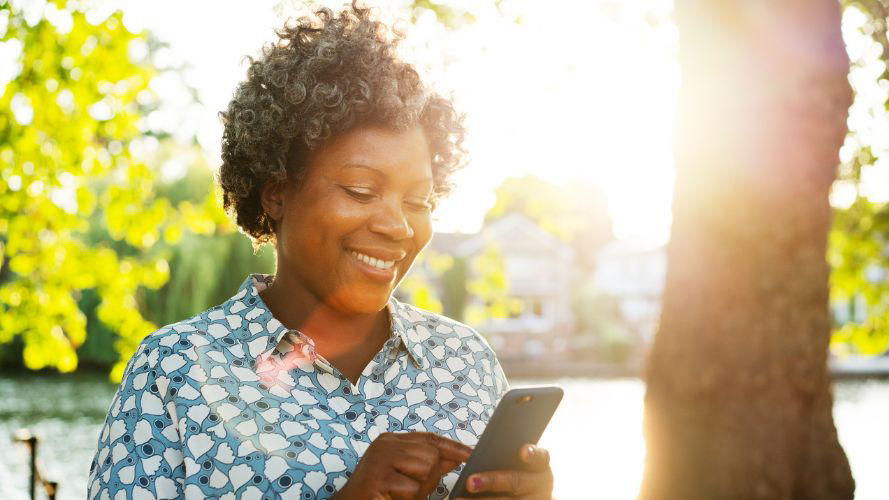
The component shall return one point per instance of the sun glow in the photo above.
(573, 90)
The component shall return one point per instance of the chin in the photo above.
(360, 301)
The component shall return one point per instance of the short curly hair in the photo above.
(326, 74)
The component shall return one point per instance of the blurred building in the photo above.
(634, 274)
(540, 273)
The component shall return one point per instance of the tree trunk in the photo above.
(738, 402)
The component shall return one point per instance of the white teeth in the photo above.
(377, 263)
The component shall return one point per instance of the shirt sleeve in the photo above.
(139, 453)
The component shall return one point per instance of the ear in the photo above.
(272, 197)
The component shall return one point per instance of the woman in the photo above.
(316, 383)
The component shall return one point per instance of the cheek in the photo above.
(422, 226)
(321, 227)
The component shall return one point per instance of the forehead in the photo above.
(390, 152)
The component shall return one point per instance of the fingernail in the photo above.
(530, 451)
(475, 483)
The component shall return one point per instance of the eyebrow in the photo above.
(382, 174)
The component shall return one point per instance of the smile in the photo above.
(373, 262)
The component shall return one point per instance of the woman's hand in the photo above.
(536, 484)
(403, 466)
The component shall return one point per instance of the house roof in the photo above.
(513, 233)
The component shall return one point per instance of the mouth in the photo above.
(373, 262)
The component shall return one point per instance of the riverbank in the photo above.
(840, 369)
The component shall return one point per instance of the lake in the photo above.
(595, 437)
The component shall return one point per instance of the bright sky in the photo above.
(571, 90)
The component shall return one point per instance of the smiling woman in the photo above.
(315, 382)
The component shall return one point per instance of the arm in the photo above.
(139, 452)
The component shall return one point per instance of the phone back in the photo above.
(520, 418)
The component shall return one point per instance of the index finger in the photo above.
(449, 449)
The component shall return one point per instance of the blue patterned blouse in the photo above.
(232, 404)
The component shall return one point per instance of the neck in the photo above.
(332, 331)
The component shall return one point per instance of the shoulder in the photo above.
(171, 349)
(430, 324)
(231, 326)
(454, 345)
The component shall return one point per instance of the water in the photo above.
(595, 437)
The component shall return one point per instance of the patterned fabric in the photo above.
(232, 404)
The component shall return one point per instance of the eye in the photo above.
(359, 193)
(419, 203)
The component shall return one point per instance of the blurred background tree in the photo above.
(85, 229)
(738, 400)
(858, 251)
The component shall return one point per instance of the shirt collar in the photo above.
(401, 322)
(402, 325)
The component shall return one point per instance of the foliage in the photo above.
(79, 210)
(419, 286)
(859, 259)
(858, 249)
(197, 282)
(488, 283)
(597, 312)
(575, 213)
(603, 333)
(445, 14)
(455, 296)
(474, 290)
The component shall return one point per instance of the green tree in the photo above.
(859, 238)
(448, 284)
(78, 210)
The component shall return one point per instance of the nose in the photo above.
(389, 220)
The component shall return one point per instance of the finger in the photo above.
(448, 448)
(431, 481)
(418, 461)
(401, 487)
(510, 481)
(446, 466)
(536, 457)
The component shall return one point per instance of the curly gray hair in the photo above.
(326, 74)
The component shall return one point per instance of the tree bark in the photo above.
(738, 402)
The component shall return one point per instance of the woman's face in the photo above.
(349, 232)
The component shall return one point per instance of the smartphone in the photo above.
(520, 418)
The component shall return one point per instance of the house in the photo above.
(540, 274)
(634, 274)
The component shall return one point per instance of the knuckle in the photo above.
(387, 436)
(515, 481)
